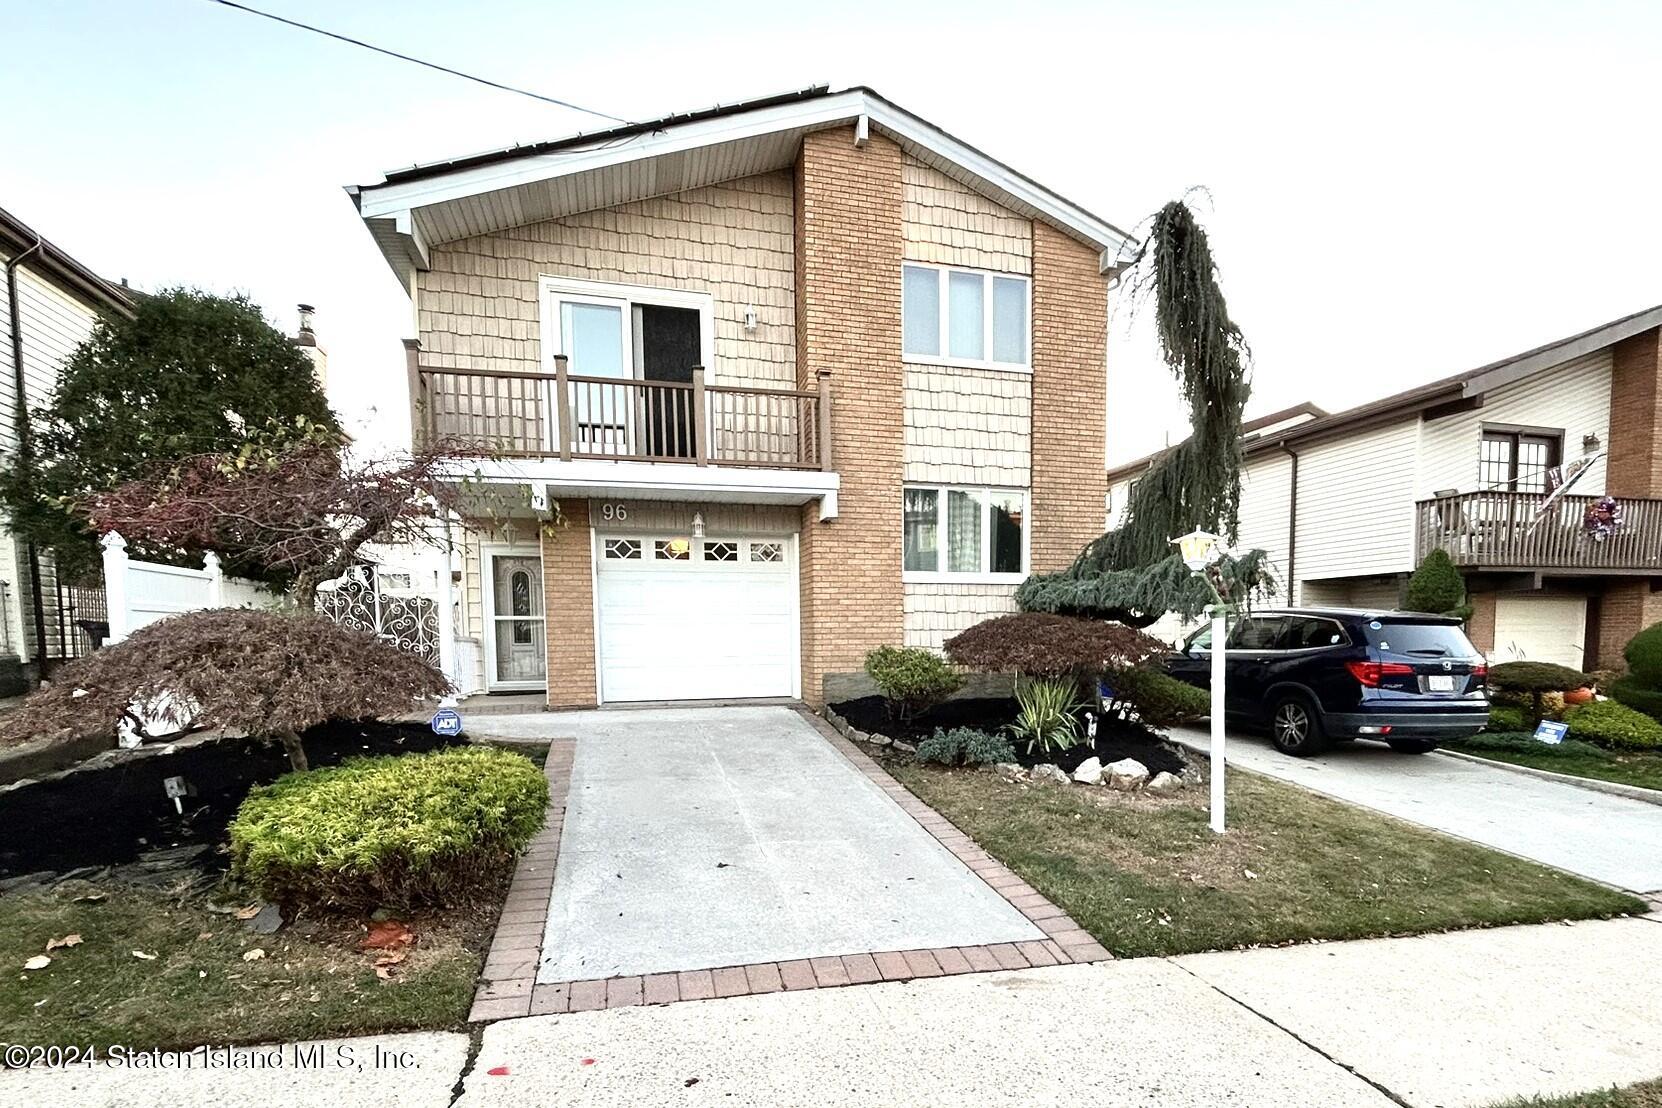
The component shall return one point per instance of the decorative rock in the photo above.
(1165, 783)
(1010, 771)
(1089, 772)
(1127, 773)
(904, 748)
(267, 920)
(1047, 771)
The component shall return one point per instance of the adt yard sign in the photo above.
(446, 722)
(1546, 731)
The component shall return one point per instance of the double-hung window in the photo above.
(949, 532)
(965, 316)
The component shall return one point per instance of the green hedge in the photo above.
(1635, 695)
(413, 830)
(1504, 718)
(966, 745)
(1158, 699)
(1644, 656)
(912, 679)
(1614, 726)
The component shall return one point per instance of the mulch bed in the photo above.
(120, 816)
(1115, 739)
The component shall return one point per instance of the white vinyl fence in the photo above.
(140, 593)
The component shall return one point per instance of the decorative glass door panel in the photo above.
(519, 651)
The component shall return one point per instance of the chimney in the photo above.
(306, 340)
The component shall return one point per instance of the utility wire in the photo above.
(418, 61)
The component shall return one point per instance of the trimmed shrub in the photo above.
(1049, 713)
(1535, 679)
(1437, 587)
(1504, 718)
(1644, 657)
(1614, 726)
(412, 830)
(912, 679)
(1636, 696)
(964, 745)
(1159, 700)
(1037, 644)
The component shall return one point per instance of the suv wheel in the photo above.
(1296, 728)
(1413, 746)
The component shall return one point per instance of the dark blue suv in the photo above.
(1314, 676)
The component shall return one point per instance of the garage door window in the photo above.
(767, 551)
(721, 551)
(672, 550)
(623, 549)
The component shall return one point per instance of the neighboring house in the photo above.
(52, 302)
(803, 376)
(1348, 504)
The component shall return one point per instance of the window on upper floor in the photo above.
(950, 532)
(1518, 460)
(965, 316)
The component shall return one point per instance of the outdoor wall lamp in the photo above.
(1589, 443)
(698, 526)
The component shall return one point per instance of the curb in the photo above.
(1591, 784)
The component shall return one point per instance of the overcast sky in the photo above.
(1394, 191)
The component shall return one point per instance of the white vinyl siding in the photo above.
(1356, 503)
(1266, 502)
(1573, 397)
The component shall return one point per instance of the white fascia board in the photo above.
(815, 114)
(1528, 366)
(655, 480)
(823, 111)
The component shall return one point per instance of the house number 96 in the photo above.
(614, 513)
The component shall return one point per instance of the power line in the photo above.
(418, 61)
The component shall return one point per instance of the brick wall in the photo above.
(1481, 627)
(1625, 609)
(1070, 397)
(848, 250)
(1635, 459)
(568, 600)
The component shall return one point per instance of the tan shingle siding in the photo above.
(936, 611)
(968, 426)
(478, 305)
(951, 224)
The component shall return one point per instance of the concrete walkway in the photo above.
(716, 837)
(1608, 838)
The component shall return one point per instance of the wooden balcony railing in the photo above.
(565, 415)
(1499, 530)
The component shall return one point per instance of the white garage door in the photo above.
(1541, 629)
(696, 620)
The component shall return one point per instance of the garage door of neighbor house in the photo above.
(685, 619)
(1541, 629)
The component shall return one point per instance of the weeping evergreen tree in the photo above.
(1133, 574)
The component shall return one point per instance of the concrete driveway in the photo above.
(1608, 838)
(710, 837)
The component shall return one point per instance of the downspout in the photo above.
(1292, 526)
(25, 444)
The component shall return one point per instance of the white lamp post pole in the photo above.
(1201, 550)
(1218, 632)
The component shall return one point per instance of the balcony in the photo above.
(1501, 531)
(570, 417)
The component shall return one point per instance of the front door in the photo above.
(516, 649)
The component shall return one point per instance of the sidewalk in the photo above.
(1461, 1020)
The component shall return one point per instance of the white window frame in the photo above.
(553, 290)
(984, 575)
(943, 294)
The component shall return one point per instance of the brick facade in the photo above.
(1480, 628)
(848, 251)
(1634, 468)
(1070, 397)
(568, 601)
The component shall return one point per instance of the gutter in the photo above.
(1292, 525)
(25, 441)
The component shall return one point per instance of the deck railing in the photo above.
(566, 415)
(1506, 530)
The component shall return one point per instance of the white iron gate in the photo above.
(386, 602)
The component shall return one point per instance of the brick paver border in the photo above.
(509, 986)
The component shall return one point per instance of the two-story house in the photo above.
(52, 302)
(762, 388)
(1504, 467)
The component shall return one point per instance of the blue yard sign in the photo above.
(446, 722)
(1550, 732)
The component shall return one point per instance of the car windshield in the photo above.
(1425, 640)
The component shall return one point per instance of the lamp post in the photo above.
(1201, 551)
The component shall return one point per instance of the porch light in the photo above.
(750, 319)
(698, 526)
(1201, 550)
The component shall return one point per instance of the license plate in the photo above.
(1440, 683)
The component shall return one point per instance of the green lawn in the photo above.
(312, 982)
(1578, 759)
(1146, 877)
(1647, 1094)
